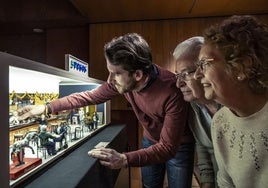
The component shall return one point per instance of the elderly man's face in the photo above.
(191, 89)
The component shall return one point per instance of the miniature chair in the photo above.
(41, 149)
(62, 132)
(77, 132)
(75, 120)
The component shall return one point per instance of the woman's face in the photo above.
(218, 83)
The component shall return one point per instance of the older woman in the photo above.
(233, 67)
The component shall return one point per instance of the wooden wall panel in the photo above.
(31, 46)
(61, 41)
(162, 36)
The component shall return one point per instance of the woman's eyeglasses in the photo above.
(185, 75)
(203, 63)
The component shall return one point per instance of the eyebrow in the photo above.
(185, 70)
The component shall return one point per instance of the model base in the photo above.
(15, 170)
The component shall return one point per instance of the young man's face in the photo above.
(122, 79)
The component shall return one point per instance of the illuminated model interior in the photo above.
(28, 87)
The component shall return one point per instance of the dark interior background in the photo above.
(46, 30)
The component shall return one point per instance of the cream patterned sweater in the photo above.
(241, 148)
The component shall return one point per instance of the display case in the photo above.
(25, 82)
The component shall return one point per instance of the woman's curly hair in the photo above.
(242, 38)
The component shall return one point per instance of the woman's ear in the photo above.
(138, 75)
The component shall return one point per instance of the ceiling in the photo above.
(22, 16)
(125, 10)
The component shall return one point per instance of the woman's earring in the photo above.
(240, 78)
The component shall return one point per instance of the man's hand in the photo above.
(30, 111)
(109, 157)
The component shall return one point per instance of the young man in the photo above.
(158, 105)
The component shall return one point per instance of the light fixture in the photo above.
(38, 30)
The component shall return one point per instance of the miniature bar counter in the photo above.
(77, 169)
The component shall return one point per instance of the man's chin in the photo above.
(188, 98)
(120, 90)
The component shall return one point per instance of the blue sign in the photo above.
(75, 65)
(78, 66)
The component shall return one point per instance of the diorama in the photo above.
(30, 147)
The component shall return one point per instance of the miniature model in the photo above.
(95, 118)
(14, 120)
(89, 122)
(81, 115)
(48, 144)
(18, 147)
(44, 138)
(43, 120)
(62, 131)
(70, 116)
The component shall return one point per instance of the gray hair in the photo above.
(188, 47)
(43, 128)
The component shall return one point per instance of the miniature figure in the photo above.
(18, 147)
(13, 119)
(81, 115)
(95, 120)
(88, 122)
(50, 145)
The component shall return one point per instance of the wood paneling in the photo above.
(162, 36)
(63, 41)
(31, 46)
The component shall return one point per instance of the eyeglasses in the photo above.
(186, 75)
(203, 63)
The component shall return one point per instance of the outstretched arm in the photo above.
(30, 111)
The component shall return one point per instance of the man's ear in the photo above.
(138, 75)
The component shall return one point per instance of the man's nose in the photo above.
(198, 74)
(180, 83)
(110, 78)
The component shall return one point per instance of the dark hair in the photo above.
(131, 52)
(240, 38)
